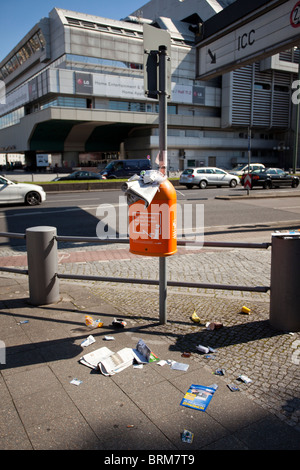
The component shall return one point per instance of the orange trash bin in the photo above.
(153, 230)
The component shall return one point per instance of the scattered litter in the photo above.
(233, 387)
(187, 436)
(219, 372)
(245, 379)
(119, 323)
(246, 310)
(143, 353)
(130, 426)
(89, 321)
(22, 322)
(211, 349)
(138, 366)
(198, 397)
(109, 338)
(179, 366)
(213, 325)
(110, 363)
(210, 356)
(214, 386)
(186, 354)
(162, 362)
(89, 340)
(202, 349)
(76, 382)
(195, 317)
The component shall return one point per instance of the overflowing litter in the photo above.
(143, 187)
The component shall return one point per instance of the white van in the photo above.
(240, 170)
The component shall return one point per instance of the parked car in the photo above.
(207, 176)
(125, 168)
(80, 175)
(272, 177)
(30, 194)
(241, 170)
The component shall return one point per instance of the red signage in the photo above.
(295, 16)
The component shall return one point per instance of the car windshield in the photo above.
(188, 171)
(110, 166)
(238, 167)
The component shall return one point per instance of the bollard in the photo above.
(285, 275)
(42, 265)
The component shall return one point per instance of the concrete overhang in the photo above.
(66, 129)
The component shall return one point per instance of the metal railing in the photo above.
(43, 273)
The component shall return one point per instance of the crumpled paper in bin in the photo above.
(143, 187)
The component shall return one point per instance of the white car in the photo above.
(241, 170)
(30, 194)
(205, 176)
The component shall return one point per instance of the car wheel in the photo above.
(233, 183)
(202, 184)
(32, 198)
(267, 185)
(295, 184)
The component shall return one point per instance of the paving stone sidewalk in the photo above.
(246, 344)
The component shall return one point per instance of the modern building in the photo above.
(74, 88)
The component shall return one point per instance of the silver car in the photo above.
(207, 176)
(30, 194)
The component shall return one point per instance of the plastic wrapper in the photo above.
(89, 321)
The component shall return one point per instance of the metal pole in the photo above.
(42, 265)
(249, 154)
(162, 97)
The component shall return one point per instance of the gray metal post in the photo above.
(163, 168)
(42, 265)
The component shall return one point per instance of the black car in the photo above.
(271, 178)
(80, 175)
(125, 168)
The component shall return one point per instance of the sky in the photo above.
(17, 17)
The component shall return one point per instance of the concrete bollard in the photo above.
(42, 265)
(285, 275)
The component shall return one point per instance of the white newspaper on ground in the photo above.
(110, 363)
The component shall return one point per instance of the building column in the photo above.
(70, 159)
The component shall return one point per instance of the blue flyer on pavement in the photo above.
(198, 397)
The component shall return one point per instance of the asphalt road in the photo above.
(78, 213)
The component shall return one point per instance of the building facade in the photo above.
(74, 88)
